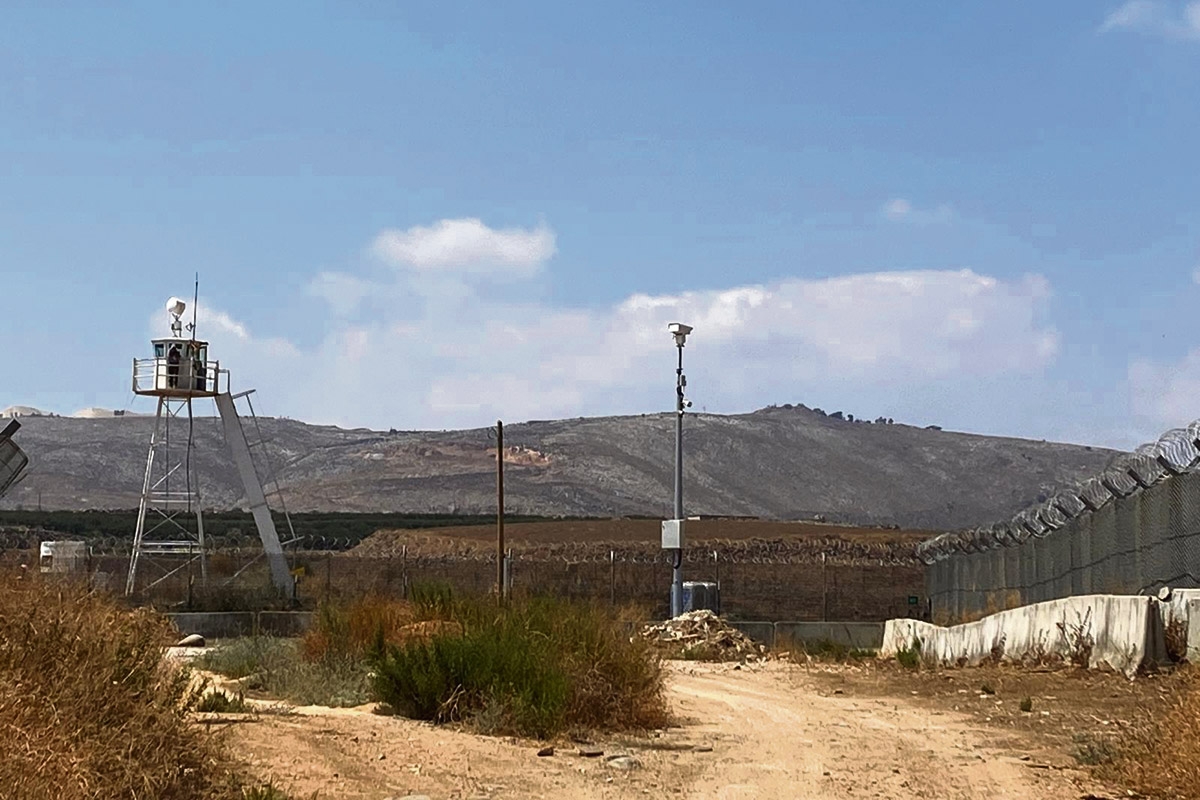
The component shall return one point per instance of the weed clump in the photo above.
(267, 791)
(532, 667)
(350, 632)
(89, 706)
(219, 702)
(1094, 752)
(910, 657)
(278, 667)
(829, 650)
(1078, 639)
(1175, 635)
(1160, 757)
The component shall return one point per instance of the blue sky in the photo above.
(431, 215)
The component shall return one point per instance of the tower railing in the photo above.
(156, 376)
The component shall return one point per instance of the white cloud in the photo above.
(467, 246)
(1131, 15)
(1196, 276)
(343, 292)
(899, 209)
(1166, 394)
(887, 333)
(1156, 18)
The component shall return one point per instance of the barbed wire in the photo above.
(1131, 529)
(1175, 453)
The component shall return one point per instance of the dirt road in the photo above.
(775, 731)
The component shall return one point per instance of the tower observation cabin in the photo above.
(180, 368)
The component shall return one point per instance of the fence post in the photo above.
(824, 592)
(717, 570)
(506, 584)
(612, 577)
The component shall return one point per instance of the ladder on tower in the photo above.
(259, 482)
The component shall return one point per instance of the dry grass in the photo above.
(277, 668)
(89, 709)
(350, 631)
(1161, 757)
(1175, 634)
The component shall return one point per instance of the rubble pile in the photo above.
(704, 636)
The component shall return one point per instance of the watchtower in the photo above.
(179, 373)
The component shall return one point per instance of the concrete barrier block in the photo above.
(1124, 631)
(214, 624)
(1193, 631)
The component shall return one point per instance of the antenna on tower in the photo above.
(195, 305)
(176, 307)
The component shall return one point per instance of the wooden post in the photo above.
(500, 509)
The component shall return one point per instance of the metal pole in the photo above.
(677, 568)
(612, 577)
(500, 587)
(824, 592)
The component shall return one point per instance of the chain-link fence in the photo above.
(760, 583)
(1130, 530)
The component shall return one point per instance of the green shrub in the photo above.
(248, 655)
(829, 650)
(531, 667)
(220, 703)
(910, 657)
(266, 791)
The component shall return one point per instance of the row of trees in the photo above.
(838, 415)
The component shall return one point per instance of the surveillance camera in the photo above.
(687, 403)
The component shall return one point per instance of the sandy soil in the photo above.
(775, 730)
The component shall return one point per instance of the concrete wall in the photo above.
(231, 624)
(761, 632)
(214, 624)
(1126, 631)
(858, 635)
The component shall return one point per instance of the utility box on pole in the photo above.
(672, 534)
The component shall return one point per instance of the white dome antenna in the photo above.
(176, 307)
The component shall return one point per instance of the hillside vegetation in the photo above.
(782, 463)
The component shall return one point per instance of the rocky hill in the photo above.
(784, 463)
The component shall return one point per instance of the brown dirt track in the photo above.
(775, 730)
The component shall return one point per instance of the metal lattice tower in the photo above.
(170, 498)
(179, 373)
